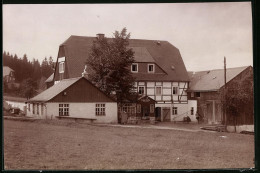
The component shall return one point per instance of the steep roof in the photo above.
(54, 90)
(165, 55)
(212, 80)
(50, 78)
(6, 70)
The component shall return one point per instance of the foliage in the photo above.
(238, 95)
(24, 69)
(28, 88)
(109, 63)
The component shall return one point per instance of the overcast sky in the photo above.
(203, 32)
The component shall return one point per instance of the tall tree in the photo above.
(109, 63)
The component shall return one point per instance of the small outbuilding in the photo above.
(75, 98)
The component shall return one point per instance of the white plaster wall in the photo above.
(192, 103)
(167, 84)
(85, 110)
(175, 83)
(182, 84)
(166, 98)
(41, 115)
(167, 91)
(150, 84)
(150, 91)
(241, 128)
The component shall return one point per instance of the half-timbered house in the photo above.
(159, 71)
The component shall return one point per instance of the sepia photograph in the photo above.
(128, 86)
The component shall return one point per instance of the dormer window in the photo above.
(150, 68)
(134, 68)
(61, 67)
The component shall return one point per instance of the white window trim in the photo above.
(177, 93)
(173, 111)
(156, 91)
(100, 107)
(136, 68)
(63, 67)
(142, 87)
(148, 68)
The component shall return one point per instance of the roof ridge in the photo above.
(112, 37)
(220, 69)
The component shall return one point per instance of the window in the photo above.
(33, 108)
(41, 109)
(61, 67)
(151, 108)
(134, 67)
(192, 111)
(100, 110)
(141, 90)
(175, 90)
(175, 110)
(61, 76)
(192, 94)
(129, 108)
(197, 94)
(158, 90)
(150, 68)
(37, 110)
(138, 108)
(63, 109)
(29, 109)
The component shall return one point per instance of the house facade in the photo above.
(74, 98)
(206, 87)
(158, 69)
(8, 74)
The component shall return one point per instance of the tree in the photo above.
(109, 62)
(237, 96)
(29, 87)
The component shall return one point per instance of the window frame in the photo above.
(174, 110)
(156, 90)
(136, 67)
(197, 94)
(143, 90)
(63, 109)
(37, 109)
(33, 108)
(100, 109)
(192, 111)
(149, 69)
(61, 64)
(177, 90)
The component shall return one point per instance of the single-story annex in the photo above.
(73, 98)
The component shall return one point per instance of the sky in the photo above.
(203, 32)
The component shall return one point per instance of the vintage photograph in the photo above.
(128, 86)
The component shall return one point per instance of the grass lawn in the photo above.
(46, 145)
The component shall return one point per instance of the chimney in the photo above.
(100, 36)
(85, 73)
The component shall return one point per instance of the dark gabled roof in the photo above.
(165, 55)
(212, 80)
(54, 90)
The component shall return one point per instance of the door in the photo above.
(145, 112)
(166, 114)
